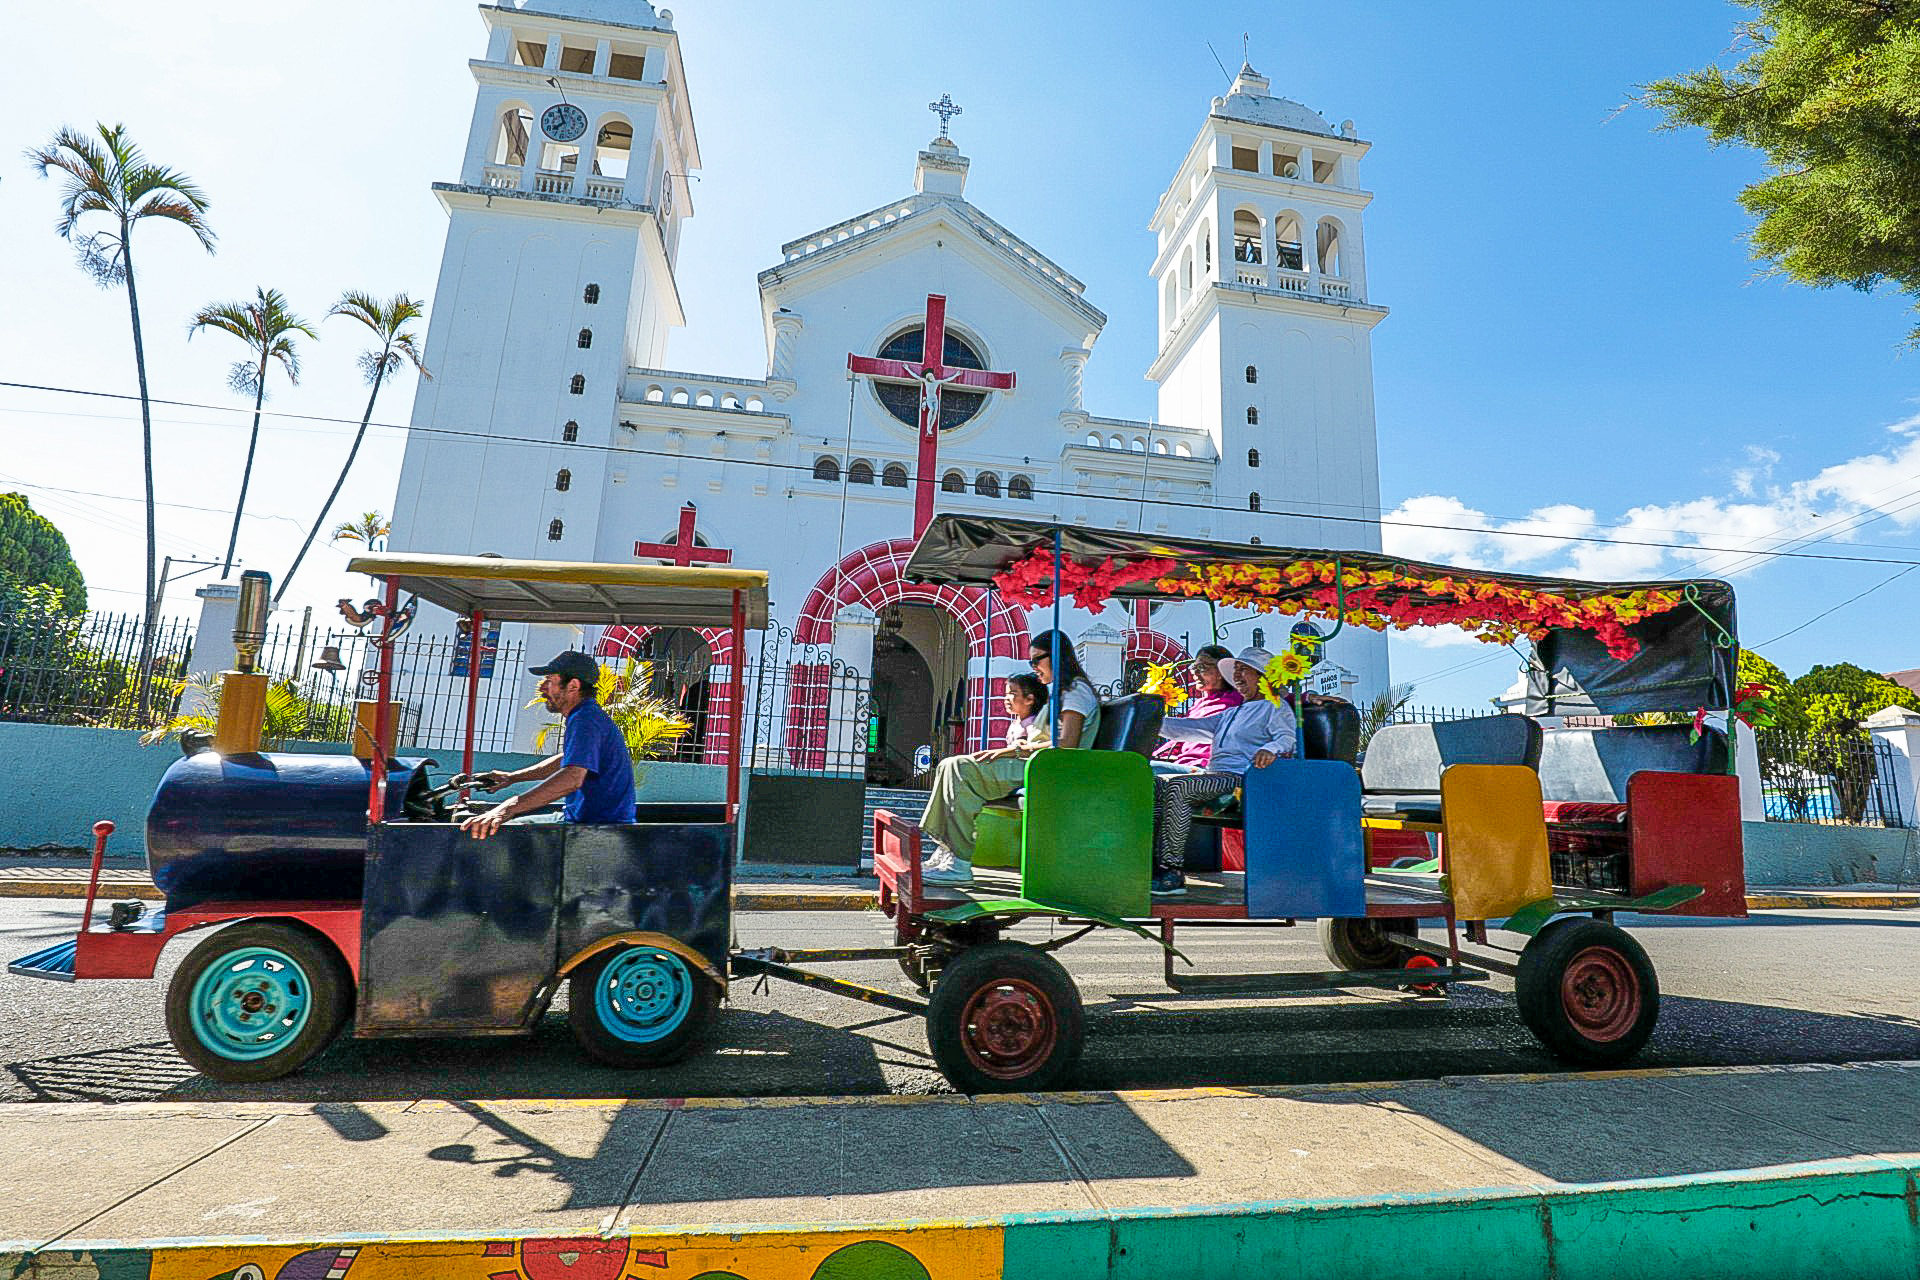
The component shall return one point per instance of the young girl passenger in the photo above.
(1025, 699)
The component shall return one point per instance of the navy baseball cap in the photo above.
(570, 665)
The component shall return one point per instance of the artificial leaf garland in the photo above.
(1376, 598)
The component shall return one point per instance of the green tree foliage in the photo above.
(291, 714)
(34, 553)
(1840, 697)
(1829, 92)
(1790, 713)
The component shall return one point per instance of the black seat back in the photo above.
(1410, 757)
(1131, 723)
(1330, 731)
(1594, 764)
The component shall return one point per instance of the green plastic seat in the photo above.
(996, 836)
(1087, 841)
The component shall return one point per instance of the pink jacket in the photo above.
(1198, 753)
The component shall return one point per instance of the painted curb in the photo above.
(1832, 1218)
(1833, 901)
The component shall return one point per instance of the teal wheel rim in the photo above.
(644, 995)
(251, 1004)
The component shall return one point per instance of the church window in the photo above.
(579, 384)
(1183, 449)
(861, 472)
(1253, 374)
(656, 395)
(953, 482)
(516, 127)
(827, 469)
(987, 484)
(1253, 416)
(1259, 633)
(1253, 457)
(555, 530)
(894, 477)
(563, 481)
(1020, 488)
(1253, 501)
(1093, 439)
(1160, 446)
(1246, 159)
(1206, 251)
(1139, 444)
(1247, 234)
(902, 399)
(627, 66)
(530, 53)
(592, 294)
(570, 433)
(1115, 442)
(585, 339)
(612, 151)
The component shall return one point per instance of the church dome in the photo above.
(624, 13)
(1249, 101)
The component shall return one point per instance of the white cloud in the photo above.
(1657, 540)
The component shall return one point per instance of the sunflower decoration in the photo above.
(1288, 668)
(1160, 680)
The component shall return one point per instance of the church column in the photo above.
(602, 58)
(786, 330)
(1074, 359)
(1266, 157)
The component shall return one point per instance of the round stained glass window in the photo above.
(902, 399)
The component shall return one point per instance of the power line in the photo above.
(1381, 522)
(1843, 604)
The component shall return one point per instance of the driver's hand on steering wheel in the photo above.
(483, 825)
(491, 780)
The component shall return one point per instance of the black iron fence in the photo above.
(1834, 778)
(85, 670)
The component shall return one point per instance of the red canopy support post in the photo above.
(475, 621)
(736, 683)
(377, 778)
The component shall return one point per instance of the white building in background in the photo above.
(551, 430)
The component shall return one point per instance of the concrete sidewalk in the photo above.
(714, 1171)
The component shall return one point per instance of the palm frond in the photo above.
(388, 320)
(406, 346)
(244, 378)
(227, 317)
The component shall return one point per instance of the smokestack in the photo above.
(243, 692)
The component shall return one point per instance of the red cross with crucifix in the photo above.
(682, 550)
(932, 374)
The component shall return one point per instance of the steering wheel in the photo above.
(431, 806)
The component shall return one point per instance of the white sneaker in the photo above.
(934, 857)
(950, 870)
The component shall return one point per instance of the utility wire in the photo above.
(1383, 522)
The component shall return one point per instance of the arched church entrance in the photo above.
(967, 640)
(917, 689)
(679, 672)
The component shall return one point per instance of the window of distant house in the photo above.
(586, 339)
(570, 432)
(578, 386)
(563, 480)
(593, 294)
(1253, 416)
(894, 477)
(555, 530)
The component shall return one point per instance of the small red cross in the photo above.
(931, 374)
(682, 550)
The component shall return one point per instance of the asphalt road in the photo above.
(1781, 988)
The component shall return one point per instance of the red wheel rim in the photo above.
(1601, 994)
(1008, 1029)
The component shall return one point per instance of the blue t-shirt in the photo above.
(594, 743)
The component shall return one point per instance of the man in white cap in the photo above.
(1251, 735)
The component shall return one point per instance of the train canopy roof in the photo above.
(575, 591)
(1683, 655)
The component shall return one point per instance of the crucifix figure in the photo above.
(682, 550)
(932, 373)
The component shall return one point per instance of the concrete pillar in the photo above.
(1103, 653)
(602, 58)
(1306, 164)
(1899, 728)
(1746, 760)
(1266, 158)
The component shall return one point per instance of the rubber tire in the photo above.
(604, 1046)
(1538, 989)
(328, 977)
(975, 970)
(1363, 942)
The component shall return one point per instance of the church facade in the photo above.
(551, 430)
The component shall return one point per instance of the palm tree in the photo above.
(267, 327)
(108, 174)
(369, 528)
(398, 347)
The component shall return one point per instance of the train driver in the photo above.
(592, 771)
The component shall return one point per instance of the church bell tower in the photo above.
(557, 277)
(1266, 329)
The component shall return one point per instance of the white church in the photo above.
(550, 428)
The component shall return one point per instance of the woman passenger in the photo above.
(1217, 695)
(1253, 734)
(964, 785)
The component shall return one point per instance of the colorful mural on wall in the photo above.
(936, 1253)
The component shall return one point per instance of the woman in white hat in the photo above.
(1251, 735)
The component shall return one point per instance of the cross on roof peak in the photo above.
(946, 110)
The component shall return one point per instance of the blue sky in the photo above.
(1577, 335)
